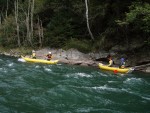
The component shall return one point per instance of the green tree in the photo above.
(138, 19)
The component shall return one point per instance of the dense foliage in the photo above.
(62, 23)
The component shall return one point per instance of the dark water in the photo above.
(39, 88)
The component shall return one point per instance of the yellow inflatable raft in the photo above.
(40, 60)
(115, 69)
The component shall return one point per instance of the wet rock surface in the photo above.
(148, 69)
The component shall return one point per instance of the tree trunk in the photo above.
(32, 12)
(87, 20)
(40, 32)
(0, 21)
(17, 24)
(7, 9)
(28, 23)
(27, 27)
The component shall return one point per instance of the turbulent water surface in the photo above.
(40, 88)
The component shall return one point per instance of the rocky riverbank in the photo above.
(75, 57)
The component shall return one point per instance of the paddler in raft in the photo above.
(109, 57)
(33, 54)
(122, 63)
(49, 56)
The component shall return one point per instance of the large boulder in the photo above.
(148, 70)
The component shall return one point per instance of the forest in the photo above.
(87, 25)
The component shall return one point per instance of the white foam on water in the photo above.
(107, 88)
(13, 70)
(132, 80)
(83, 75)
(136, 94)
(37, 66)
(11, 64)
(85, 110)
(112, 81)
(47, 69)
(3, 70)
(78, 75)
(146, 98)
(103, 88)
(104, 75)
(59, 64)
(21, 60)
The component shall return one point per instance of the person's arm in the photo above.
(51, 56)
(110, 63)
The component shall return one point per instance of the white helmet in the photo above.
(33, 51)
(49, 52)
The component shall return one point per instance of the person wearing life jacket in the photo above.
(49, 56)
(110, 60)
(122, 63)
(33, 54)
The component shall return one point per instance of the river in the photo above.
(40, 88)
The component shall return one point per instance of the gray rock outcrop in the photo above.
(75, 57)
